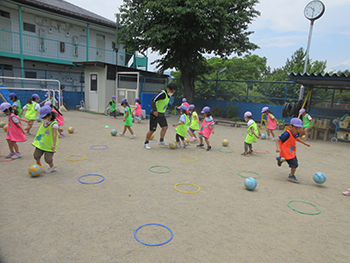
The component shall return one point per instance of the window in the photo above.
(4, 14)
(28, 27)
(5, 67)
(30, 74)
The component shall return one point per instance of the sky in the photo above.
(279, 31)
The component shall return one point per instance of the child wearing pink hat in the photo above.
(206, 129)
(286, 146)
(272, 122)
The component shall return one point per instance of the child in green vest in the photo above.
(253, 134)
(194, 123)
(46, 139)
(127, 118)
(307, 123)
(111, 105)
(181, 127)
(16, 104)
(30, 111)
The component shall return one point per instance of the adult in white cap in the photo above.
(286, 146)
(307, 123)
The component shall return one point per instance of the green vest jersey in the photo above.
(194, 123)
(112, 105)
(250, 136)
(306, 121)
(19, 109)
(30, 112)
(44, 138)
(182, 128)
(128, 120)
(162, 104)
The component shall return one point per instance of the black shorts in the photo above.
(293, 163)
(113, 113)
(161, 120)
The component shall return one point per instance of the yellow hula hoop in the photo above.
(185, 191)
(75, 155)
(110, 136)
(182, 158)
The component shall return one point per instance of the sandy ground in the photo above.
(55, 218)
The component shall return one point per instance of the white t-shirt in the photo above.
(183, 118)
(250, 122)
(36, 106)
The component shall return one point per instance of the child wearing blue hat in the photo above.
(206, 129)
(127, 118)
(181, 127)
(111, 106)
(30, 111)
(286, 146)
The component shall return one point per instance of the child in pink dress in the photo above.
(206, 129)
(15, 132)
(59, 118)
(137, 111)
(272, 122)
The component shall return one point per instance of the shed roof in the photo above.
(315, 80)
(68, 9)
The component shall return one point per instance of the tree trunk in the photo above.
(188, 83)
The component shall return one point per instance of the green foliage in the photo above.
(232, 111)
(217, 111)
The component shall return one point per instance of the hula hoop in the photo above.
(110, 136)
(85, 175)
(154, 166)
(6, 160)
(239, 173)
(301, 212)
(185, 191)
(154, 224)
(182, 158)
(261, 151)
(75, 155)
(94, 147)
(230, 150)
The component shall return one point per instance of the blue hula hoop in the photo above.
(94, 147)
(91, 175)
(154, 224)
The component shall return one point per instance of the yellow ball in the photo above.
(2, 124)
(71, 130)
(303, 137)
(187, 140)
(152, 136)
(35, 170)
(172, 145)
(5, 128)
(225, 142)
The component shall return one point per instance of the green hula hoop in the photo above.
(230, 150)
(154, 166)
(301, 212)
(249, 176)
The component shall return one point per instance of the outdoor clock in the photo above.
(314, 10)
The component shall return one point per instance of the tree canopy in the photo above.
(183, 31)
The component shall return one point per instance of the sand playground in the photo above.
(209, 217)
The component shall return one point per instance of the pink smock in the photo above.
(14, 133)
(59, 118)
(271, 123)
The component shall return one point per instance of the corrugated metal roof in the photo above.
(66, 8)
(320, 79)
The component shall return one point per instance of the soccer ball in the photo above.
(38, 119)
(319, 177)
(172, 145)
(35, 170)
(152, 136)
(303, 137)
(263, 136)
(71, 130)
(250, 183)
(114, 132)
(225, 142)
(2, 124)
(187, 140)
(5, 128)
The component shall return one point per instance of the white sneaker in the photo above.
(273, 139)
(185, 144)
(51, 169)
(121, 134)
(178, 146)
(132, 136)
(147, 146)
(163, 143)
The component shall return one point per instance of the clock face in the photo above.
(314, 10)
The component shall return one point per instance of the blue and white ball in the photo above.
(114, 132)
(38, 119)
(250, 183)
(319, 177)
(263, 136)
(34, 170)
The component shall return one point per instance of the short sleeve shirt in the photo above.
(285, 136)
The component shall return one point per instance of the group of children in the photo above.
(46, 139)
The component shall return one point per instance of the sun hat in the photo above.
(114, 97)
(184, 100)
(182, 107)
(136, 99)
(191, 107)
(264, 109)
(11, 95)
(4, 106)
(247, 114)
(296, 122)
(205, 109)
(48, 103)
(35, 96)
(44, 111)
(301, 111)
(123, 101)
